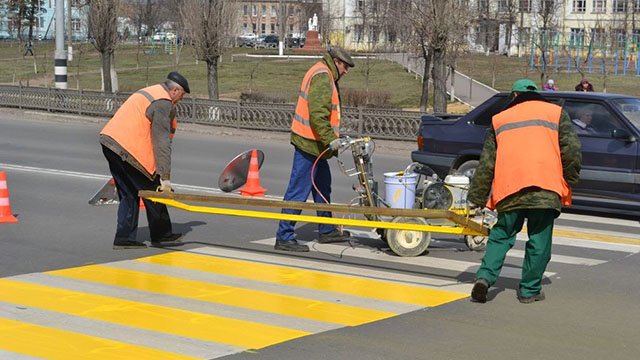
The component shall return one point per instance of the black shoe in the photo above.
(126, 244)
(334, 236)
(480, 290)
(291, 245)
(172, 239)
(530, 299)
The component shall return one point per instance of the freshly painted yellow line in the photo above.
(595, 237)
(146, 316)
(228, 295)
(49, 343)
(318, 219)
(307, 279)
(579, 235)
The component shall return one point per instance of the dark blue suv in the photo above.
(608, 126)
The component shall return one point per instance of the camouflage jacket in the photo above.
(532, 197)
(319, 109)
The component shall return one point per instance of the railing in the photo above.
(377, 123)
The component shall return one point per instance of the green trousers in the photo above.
(538, 250)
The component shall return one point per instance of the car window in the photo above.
(591, 119)
(484, 118)
(631, 109)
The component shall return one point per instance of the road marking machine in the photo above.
(437, 206)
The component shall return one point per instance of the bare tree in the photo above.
(103, 16)
(209, 25)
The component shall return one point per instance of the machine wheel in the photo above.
(475, 243)
(408, 242)
(468, 168)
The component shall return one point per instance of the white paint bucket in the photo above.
(400, 190)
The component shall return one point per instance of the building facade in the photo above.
(263, 17)
(44, 25)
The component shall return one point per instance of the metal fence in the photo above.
(377, 123)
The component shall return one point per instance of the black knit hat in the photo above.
(180, 80)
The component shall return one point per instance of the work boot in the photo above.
(127, 244)
(334, 236)
(290, 245)
(480, 290)
(171, 240)
(531, 299)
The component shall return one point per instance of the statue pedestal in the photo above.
(311, 44)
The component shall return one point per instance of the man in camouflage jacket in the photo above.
(540, 207)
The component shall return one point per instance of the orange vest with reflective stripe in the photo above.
(131, 128)
(528, 151)
(300, 124)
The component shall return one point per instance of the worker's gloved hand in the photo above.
(165, 185)
(335, 144)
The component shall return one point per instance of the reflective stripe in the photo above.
(306, 86)
(335, 129)
(146, 94)
(4, 201)
(527, 123)
(301, 120)
(334, 107)
(304, 95)
(3, 184)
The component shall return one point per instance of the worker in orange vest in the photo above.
(315, 130)
(137, 145)
(531, 158)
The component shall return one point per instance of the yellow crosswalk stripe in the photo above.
(228, 295)
(152, 317)
(307, 279)
(49, 343)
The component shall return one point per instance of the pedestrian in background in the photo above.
(28, 45)
(584, 85)
(550, 86)
(137, 145)
(314, 131)
(530, 159)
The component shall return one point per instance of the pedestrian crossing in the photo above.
(209, 302)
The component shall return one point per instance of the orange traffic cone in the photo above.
(5, 209)
(108, 194)
(142, 205)
(252, 187)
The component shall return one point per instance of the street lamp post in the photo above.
(60, 56)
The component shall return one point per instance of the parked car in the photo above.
(610, 176)
(269, 41)
(248, 40)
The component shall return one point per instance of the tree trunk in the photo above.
(424, 99)
(212, 78)
(106, 72)
(439, 74)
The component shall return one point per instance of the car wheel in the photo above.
(468, 168)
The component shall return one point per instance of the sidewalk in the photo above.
(466, 90)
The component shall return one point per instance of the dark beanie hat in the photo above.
(180, 80)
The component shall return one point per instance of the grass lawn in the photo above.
(273, 77)
(510, 69)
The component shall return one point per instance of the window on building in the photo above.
(264, 10)
(503, 6)
(290, 10)
(263, 28)
(245, 27)
(599, 6)
(579, 6)
(291, 27)
(253, 28)
(274, 11)
(483, 6)
(246, 10)
(360, 5)
(357, 32)
(636, 6)
(598, 36)
(254, 11)
(374, 33)
(547, 6)
(76, 24)
(525, 6)
(273, 28)
(619, 6)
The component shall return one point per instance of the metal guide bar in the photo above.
(466, 225)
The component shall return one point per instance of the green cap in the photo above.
(524, 85)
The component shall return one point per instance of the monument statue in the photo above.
(315, 22)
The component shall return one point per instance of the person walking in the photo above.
(314, 132)
(137, 145)
(28, 45)
(530, 159)
(584, 85)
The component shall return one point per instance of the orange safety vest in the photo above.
(528, 151)
(300, 124)
(131, 128)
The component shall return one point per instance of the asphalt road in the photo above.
(54, 165)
